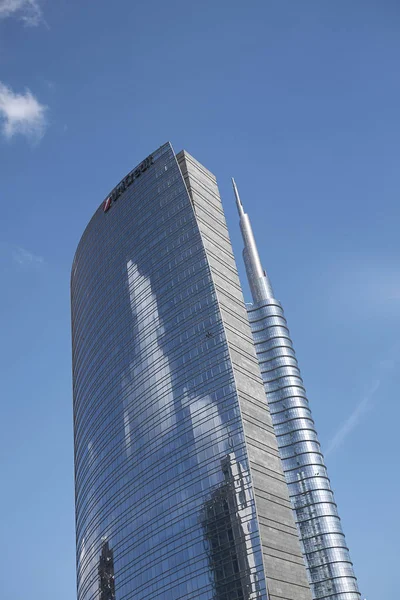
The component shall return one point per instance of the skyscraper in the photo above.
(180, 492)
(327, 558)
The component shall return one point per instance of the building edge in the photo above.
(282, 555)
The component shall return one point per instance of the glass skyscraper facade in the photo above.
(180, 492)
(326, 554)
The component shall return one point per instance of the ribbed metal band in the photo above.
(329, 567)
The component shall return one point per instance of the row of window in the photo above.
(162, 469)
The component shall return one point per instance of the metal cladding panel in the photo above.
(329, 567)
(284, 565)
(164, 503)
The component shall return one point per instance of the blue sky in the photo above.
(300, 102)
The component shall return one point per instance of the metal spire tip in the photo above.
(238, 202)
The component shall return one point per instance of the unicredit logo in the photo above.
(107, 204)
(126, 182)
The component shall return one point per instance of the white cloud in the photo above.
(28, 11)
(25, 258)
(21, 113)
(353, 420)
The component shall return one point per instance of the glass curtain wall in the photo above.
(329, 567)
(330, 570)
(162, 476)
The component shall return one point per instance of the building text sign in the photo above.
(126, 182)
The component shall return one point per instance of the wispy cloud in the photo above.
(26, 258)
(372, 287)
(21, 114)
(354, 419)
(28, 11)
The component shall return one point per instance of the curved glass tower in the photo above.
(329, 567)
(180, 492)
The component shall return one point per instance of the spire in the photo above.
(238, 202)
(259, 282)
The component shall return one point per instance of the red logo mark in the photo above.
(107, 204)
